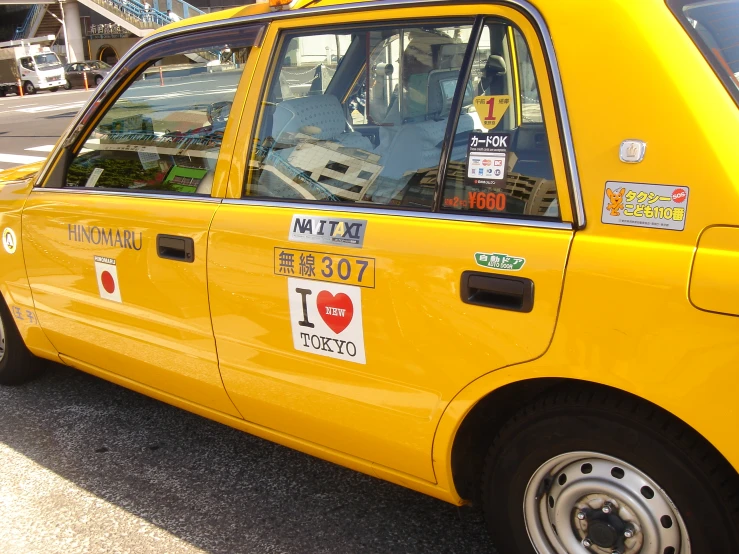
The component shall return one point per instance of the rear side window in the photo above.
(363, 115)
(714, 26)
(359, 115)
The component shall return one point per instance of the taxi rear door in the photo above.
(115, 237)
(354, 292)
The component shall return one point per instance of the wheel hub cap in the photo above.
(585, 502)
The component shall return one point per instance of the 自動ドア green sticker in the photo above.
(499, 261)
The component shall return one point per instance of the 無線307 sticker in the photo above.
(324, 266)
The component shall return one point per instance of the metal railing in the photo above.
(142, 17)
(37, 10)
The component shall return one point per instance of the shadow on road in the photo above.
(62, 115)
(214, 487)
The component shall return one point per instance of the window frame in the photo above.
(135, 63)
(264, 19)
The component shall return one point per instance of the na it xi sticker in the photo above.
(499, 261)
(331, 231)
(326, 319)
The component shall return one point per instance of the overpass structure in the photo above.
(54, 17)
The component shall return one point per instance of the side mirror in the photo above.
(218, 112)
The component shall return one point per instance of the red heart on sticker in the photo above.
(337, 311)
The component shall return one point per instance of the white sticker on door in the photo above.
(107, 276)
(326, 319)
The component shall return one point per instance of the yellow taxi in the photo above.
(487, 250)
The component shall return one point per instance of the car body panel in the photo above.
(158, 330)
(625, 321)
(14, 286)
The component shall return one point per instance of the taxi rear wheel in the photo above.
(581, 472)
(17, 364)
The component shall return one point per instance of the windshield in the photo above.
(714, 26)
(43, 61)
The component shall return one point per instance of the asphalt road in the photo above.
(31, 125)
(87, 466)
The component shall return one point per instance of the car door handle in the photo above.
(173, 247)
(497, 291)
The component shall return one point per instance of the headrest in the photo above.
(451, 56)
(321, 114)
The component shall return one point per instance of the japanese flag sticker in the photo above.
(107, 277)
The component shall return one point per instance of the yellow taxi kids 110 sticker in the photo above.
(641, 205)
(491, 109)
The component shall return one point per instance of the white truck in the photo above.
(34, 65)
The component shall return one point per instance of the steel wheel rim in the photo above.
(564, 509)
(2, 340)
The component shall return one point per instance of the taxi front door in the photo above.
(116, 238)
(352, 326)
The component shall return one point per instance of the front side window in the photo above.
(27, 63)
(164, 133)
(358, 115)
(714, 26)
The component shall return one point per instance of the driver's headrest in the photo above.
(451, 56)
(421, 44)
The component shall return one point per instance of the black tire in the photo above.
(54, 89)
(98, 80)
(68, 85)
(28, 88)
(17, 364)
(3, 92)
(701, 483)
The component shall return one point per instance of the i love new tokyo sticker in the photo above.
(326, 319)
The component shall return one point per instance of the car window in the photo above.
(164, 132)
(714, 26)
(500, 162)
(358, 115)
(27, 63)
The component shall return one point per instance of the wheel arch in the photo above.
(463, 451)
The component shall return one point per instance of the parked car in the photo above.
(460, 259)
(94, 70)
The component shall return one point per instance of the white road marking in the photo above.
(44, 148)
(17, 159)
(52, 108)
(50, 147)
(186, 84)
